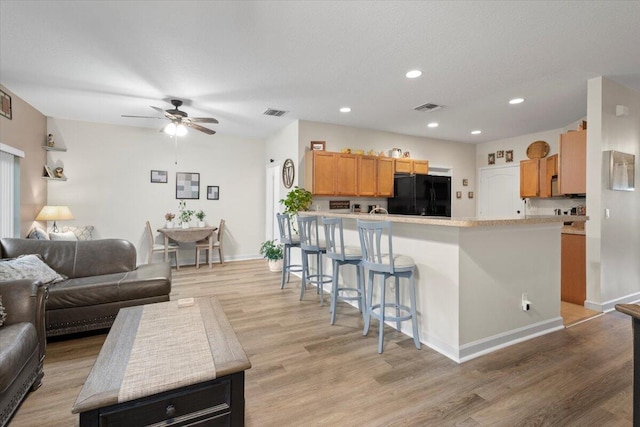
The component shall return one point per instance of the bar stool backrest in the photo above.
(375, 256)
(334, 238)
(308, 229)
(284, 225)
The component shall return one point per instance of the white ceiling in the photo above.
(96, 60)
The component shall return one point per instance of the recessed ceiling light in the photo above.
(516, 101)
(413, 74)
(433, 125)
(476, 132)
(345, 110)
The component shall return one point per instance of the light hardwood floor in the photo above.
(308, 373)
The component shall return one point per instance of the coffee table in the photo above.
(172, 363)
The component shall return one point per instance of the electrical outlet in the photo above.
(526, 304)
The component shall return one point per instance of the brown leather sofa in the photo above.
(102, 278)
(22, 343)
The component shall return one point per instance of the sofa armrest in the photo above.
(24, 301)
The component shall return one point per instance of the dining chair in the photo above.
(157, 247)
(203, 245)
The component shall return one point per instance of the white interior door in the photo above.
(272, 200)
(499, 194)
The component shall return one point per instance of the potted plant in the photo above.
(272, 251)
(169, 217)
(200, 215)
(185, 214)
(297, 200)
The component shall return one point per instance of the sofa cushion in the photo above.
(82, 233)
(85, 291)
(67, 236)
(38, 234)
(28, 267)
(3, 313)
(18, 343)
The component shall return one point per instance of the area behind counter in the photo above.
(472, 274)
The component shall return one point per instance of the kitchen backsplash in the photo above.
(549, 206)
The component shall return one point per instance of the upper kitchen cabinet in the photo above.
(530, 172)
(572, 163)
(320, 173)
(385, 177)
(411, 166)
(347, 174)
(367, 176)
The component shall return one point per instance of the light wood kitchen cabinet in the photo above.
(530, 178)
(411, 166)
(320, 173)
(347, 174)
(421, 166)
(385, 177)
(572, 163)
(367, 176)
(403, 166)
(547, 173)
(573, 267)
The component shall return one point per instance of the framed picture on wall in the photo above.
(318, 145)
(187, 185)
(213, 192)
(159, 176)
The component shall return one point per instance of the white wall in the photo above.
(455, 155)
(613, 244)
(108, 170)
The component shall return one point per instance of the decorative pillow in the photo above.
(82, 233)
(38, 233)
(3, 314)
(28, 267)
(63, 236)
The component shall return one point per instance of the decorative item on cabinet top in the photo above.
(537, 150)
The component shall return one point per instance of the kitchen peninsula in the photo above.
(472, 274)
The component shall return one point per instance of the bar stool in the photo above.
(387, 264)
(341, 255)
(311, 245)
(289, 240)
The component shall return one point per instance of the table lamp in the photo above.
(54, 213)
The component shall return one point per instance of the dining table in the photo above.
(188, 235)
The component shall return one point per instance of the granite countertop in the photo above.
(455, 222)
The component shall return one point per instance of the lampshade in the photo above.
(54, 213)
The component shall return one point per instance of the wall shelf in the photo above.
(47, 148)
(64, 178)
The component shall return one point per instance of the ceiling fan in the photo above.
(180, 119)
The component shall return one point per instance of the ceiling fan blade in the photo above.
(157, 108)
(203, 120)
(200, 128)
(142, 117)
(171, 116)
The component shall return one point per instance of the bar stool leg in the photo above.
(367, 307)
(320, 283)
(305, 274)
(334, 290)
(382, 300)
(285, 265)
(362, 302)
(398, 322)
(414, 315)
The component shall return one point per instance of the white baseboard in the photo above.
(610, 305)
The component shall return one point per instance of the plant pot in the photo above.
(201, 224)
(275, 264)
(185, 225)
(169, 224)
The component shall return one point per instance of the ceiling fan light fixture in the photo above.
(181, 130)
(170, 129)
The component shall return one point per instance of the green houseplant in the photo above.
(185, 214)
(200, 215)
(272, 251)
(297, 200)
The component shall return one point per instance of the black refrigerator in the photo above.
(428, 195)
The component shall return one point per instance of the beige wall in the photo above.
(27, 131)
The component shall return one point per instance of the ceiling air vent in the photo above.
(428, 107)
(272, 112)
